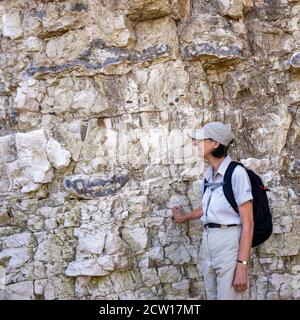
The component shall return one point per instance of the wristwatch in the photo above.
(245, 263)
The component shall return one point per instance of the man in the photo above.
(227, 236)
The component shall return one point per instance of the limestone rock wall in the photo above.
(95, 96)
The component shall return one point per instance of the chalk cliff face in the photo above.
(95, 100)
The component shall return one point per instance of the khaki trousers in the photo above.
(220, 249)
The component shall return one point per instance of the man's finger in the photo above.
(237, 288)
(240, 287)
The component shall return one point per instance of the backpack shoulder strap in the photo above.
(227, 187)
(205, 185)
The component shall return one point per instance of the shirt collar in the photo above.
(221, 170)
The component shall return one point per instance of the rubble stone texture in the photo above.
(77, 79)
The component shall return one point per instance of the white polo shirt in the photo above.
(219, 210)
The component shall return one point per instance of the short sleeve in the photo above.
(197, 186)
(241, 185)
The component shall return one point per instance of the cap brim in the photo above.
(197, 134)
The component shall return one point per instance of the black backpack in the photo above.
(263, 226)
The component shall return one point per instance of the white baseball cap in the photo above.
(217, 131)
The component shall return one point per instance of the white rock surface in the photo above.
(58, 156)
(86, 268)
(136, 238)
(92, 244)
(20, 291)
(32, 158)
(12, 25)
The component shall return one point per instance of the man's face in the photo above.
(205, 146)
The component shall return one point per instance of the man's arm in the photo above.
(246, 213)
(180, 217)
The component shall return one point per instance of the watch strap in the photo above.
(245, 263)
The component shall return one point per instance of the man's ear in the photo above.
(216, 145)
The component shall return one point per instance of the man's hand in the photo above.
(241, 276)
(178, 215)
(240, 282)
